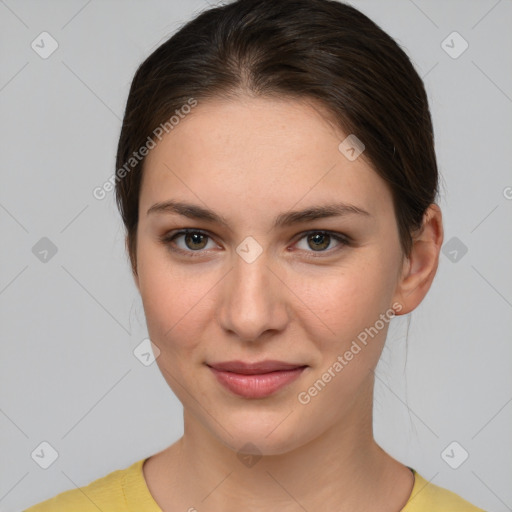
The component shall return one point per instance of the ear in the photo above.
(420, 267)
(133, 268)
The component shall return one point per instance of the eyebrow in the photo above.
(193, 211)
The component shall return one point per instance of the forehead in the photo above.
(260, 154)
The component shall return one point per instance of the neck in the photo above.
(341, 468)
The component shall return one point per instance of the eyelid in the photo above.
(341, 238)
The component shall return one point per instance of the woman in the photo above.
(277, 179)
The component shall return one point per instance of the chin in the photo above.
(252, 434)
(259, 445)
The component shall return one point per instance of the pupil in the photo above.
(194, 237)
(319, 237)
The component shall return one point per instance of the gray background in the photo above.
(70, 323)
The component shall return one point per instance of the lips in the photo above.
(244, 368)
(256, 380)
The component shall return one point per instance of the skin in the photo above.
(250, 160)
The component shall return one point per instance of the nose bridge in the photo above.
(252, 300)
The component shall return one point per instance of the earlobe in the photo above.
(421, 265)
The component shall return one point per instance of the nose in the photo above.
(254, 300)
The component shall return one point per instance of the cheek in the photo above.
(175, 298)
(350, 297)
(348, 305)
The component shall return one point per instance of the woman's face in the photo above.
(254, 289)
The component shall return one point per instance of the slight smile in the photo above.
(256, 380)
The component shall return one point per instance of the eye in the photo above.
(194, 241)
(320, 240)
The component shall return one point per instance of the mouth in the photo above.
(256, 380)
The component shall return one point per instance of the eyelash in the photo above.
(168, 238)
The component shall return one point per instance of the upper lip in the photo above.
(254, 368)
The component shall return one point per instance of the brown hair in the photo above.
(321, 50)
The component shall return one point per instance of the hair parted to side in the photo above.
(320, 50)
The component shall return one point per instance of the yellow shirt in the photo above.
(125, 490)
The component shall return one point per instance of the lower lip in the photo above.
(257, 386)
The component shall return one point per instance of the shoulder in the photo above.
(428, 497)
(105, 493)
